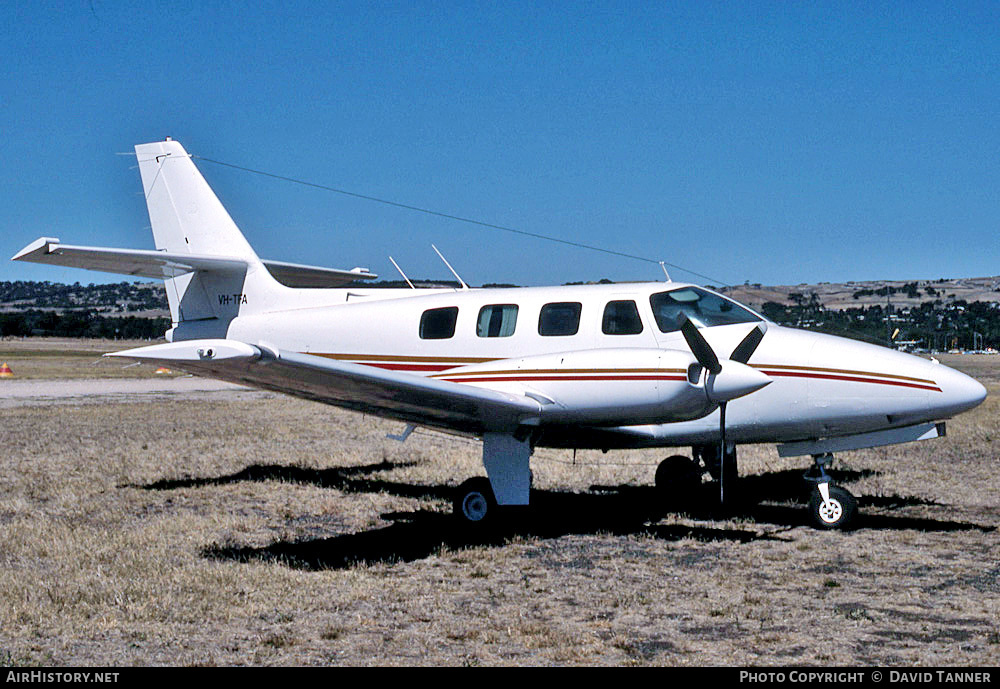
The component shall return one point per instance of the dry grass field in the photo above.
(245, 528)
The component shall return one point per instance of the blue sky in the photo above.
(762, 142)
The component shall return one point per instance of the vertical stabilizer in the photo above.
(187, 217)
(185, 213)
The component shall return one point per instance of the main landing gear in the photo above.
(678, 479)
(506, 460)
(474, 504)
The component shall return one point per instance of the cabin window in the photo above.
(438, 324)
(559, 319)
(702, 307)
(621, 318)
(497, 320)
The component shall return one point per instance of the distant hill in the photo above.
(960, 313)
(140, 299)
(838, 296)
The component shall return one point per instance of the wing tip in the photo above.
(191, 351)
(39, 247)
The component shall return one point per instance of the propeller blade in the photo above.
(699, 345)
(745, 349)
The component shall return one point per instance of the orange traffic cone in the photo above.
(5, 371)
(162, 370)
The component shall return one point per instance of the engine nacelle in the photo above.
(600, 387)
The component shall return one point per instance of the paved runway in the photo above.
(28, 392)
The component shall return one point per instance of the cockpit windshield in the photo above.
(703, 308)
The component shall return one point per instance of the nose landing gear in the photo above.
(830, 506)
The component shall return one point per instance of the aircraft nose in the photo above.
(959, 392)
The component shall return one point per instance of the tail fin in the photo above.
(187, 217)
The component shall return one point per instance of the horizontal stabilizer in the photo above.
(393, 394)
(166, 264)
(295, 275)
(139, 262)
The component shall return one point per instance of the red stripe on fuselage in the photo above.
(524, 378)
(408, 367)
(851, 379)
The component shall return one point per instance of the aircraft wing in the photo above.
(160, 265)
(393, 394)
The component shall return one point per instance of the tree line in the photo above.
(932, 325)
(120, 296)
(85, 323)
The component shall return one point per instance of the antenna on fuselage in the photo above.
(664, 266)
(457, 276)
(402, 273)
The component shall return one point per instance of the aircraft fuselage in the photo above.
(821, 385)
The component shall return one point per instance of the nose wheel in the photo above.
(830, 506)
(834, 510)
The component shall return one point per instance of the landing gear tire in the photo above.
(677, 481)
(474, 504)
(837, 513)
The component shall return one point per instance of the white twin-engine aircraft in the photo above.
(594, 366)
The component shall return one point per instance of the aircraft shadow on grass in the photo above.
(616, 510)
